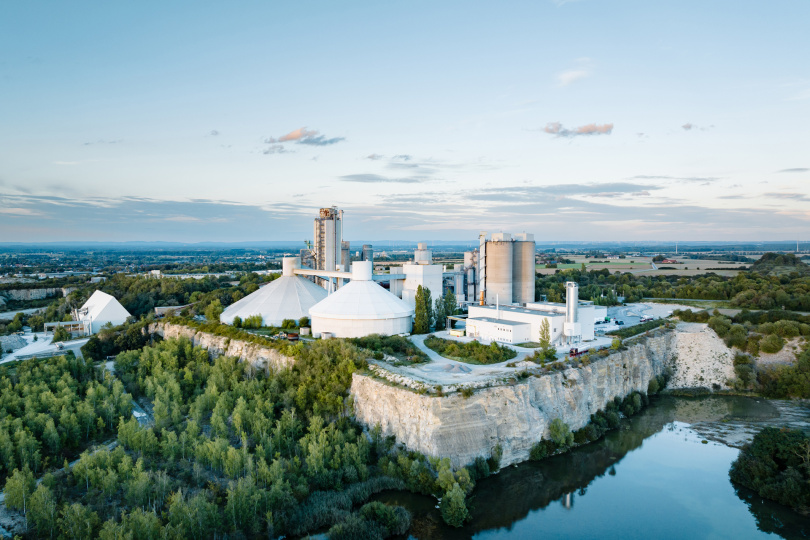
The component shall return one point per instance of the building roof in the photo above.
(288, 297)
(526, 310)
(497, 321)
(101, 302)
(361, 298)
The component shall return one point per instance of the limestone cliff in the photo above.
(18, 295)
(253, 353)
(515, 416)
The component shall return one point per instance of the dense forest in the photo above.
(231, 450)
(52, 409)
(767, 286)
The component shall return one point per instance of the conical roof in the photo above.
(361, 299)
(288, 297)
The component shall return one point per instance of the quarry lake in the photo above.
(656, 477)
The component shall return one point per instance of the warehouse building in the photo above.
(569, 323)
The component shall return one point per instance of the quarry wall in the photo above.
(252, 353)
(18, 295)
(517, 416)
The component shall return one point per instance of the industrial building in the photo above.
(501, 270)
(99, 310)
(569, 323)
(288, 297)
(360, 308)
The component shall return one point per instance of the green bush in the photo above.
(472, 352)
(777, 466)
(771, 344)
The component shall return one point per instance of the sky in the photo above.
(572, 120)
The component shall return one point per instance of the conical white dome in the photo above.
(288, 297)
(360, 308)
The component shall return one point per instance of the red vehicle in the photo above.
(573, 353)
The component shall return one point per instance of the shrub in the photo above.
(771, 344)
(289, 324)
(454, 507)
(473, 352)
(777, 466)
(560, 434)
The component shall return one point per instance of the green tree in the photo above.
(423, 315)
(560, 433)
(51, 436)
(214, 310)
(547, 350)
(78, 522)
(43, 511)
(60, 334)
(18, 490)
(454, 507)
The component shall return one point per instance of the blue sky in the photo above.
(577, 120)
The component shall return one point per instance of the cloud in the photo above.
(320, 140)
(213, 133)
(556, 128)
(703, 179)
(572, 75)
(102, 141)
(795, 170)
(689, 126)
(20, 212)
(557, 191)
(374, 157)
(403, 157)
(302, 135)
(275, 149)
(378, 179)
(788, 196)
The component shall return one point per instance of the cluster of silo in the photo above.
(502, 269)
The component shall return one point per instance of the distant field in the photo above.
(643, 265)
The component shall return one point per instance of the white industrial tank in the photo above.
(361, 308)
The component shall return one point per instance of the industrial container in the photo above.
(523, 269)
(499, 257)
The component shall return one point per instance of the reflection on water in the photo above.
(655, 477)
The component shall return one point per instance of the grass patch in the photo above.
(529, 345)
(471, 352)
(399, 347)
(639, 328)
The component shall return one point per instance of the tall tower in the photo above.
(328, 238)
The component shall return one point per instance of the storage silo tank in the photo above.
(523, 269)
(572, 326)
(499, 257)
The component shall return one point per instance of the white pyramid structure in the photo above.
(360, 308)
(288, 297)
(100, 309)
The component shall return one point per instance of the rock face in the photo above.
(252, 353)
(30, 294)
(703, 359)
(515, 416)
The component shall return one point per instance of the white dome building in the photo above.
(360, 308)
(288, 297)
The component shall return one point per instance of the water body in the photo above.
(656, 477)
